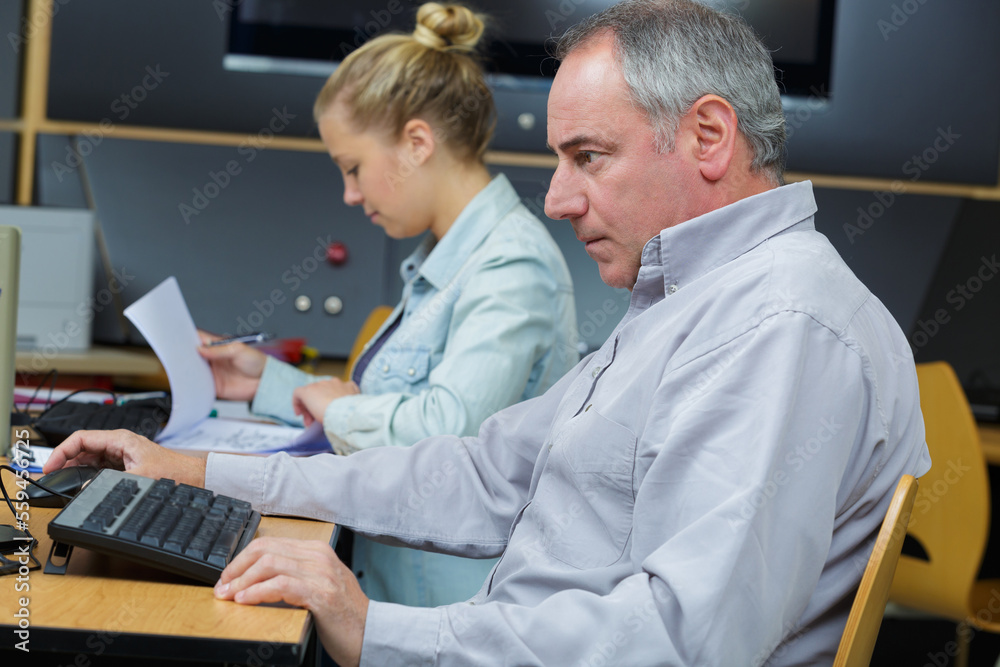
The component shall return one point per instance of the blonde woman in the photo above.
(486, 317)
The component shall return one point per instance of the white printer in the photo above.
(56, 278)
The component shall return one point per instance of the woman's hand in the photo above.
(305, 574)
(236, 368)
(311, 401)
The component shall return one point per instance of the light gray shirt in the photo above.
(703, 490)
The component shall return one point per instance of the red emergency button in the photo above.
(336, 253)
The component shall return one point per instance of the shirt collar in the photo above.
(439, 260)
(687, 251)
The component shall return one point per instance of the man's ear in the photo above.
(417, 141)
(712, 121)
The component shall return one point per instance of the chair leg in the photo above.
(963, 636)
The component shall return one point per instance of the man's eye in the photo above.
(585, 157)
(353, 171)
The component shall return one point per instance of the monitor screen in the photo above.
(311, 36)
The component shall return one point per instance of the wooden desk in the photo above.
(113, 607)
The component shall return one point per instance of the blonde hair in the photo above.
(433, 74)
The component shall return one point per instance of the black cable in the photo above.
(54, 374)
(17, 472)
(114, 398)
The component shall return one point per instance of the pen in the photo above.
(249, 339)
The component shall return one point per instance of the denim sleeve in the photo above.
(505, 319)
(274, 395)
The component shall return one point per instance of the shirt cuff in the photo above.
(399, 635)
(274, 393)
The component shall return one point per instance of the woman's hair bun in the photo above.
(448, 27)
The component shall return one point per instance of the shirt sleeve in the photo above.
(775, 442)
(412, 499)
(503, 322)
(274, 393)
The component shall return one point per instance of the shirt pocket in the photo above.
(586, 496)
(404, 369)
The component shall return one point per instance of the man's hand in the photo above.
(236, 368)
(311, 401)
(305, 574)
(128, 451)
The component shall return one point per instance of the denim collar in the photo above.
(438, 261)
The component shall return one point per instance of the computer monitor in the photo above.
(10, 264)
(311, 36)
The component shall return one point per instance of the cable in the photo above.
(114, 398)
(54, 374)
(17, 472)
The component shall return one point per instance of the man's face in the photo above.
(612, 184)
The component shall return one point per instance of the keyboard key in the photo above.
(157, 531)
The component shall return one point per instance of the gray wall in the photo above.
(894, 89)
(10, 81)
(239, 249)
(8, 166)
(895, 93)
(10, 57)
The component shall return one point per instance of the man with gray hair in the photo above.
(702, 490)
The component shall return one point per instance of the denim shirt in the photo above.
(705, 489)
(487, 319)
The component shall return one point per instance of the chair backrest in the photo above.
(951, 514)
(368, 329)
(858, 640)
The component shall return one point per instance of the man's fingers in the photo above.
(267, 566)
(278, 588)
(250, 555)
(84, 447)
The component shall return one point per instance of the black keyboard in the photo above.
(175, 527)
(145, 416)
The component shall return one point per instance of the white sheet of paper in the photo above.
(242, 437)
(163, 318)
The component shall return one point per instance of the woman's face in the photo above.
(379, 174)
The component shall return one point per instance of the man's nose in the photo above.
(565, 198)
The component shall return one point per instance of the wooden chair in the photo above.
(951, 517)
(858, 640)
(368, 330)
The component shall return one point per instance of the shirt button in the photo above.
(385, 369)
(596, 371)
(411, 372)
(672, 289)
